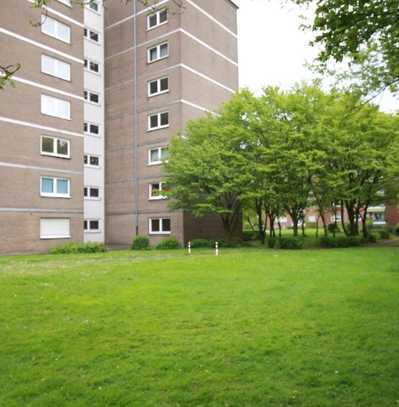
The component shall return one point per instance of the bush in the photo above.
(168, 244)
(202, 243)
(73, 248)
(333, 228)
(271, 242)
(141, 243)
(249, 235)
(384, 234)
(291, 242)
(371, 238)
(331, 242)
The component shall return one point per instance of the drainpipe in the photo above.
(136, 186)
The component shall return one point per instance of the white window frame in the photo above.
(88, 161)
(91, 9)
(91, 92)
(156, 197)
(89, 197)
(158, 48)
(88, 68)
(161, 232)
(66, 2)
(57, 73)
(159, 162)
(89, 230)
(53, 102)
(158, 16)
(158, 81)
(56, 34)
(88, 132)
(88, 38)
(55, 194)
(160, 126)
(47, 237)
(55, 145)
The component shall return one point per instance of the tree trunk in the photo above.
(364, 222)
(317, 227)
(261, 228)
(343, 218)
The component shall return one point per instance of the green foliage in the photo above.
(202, 243)
(168, 243)
(249, 235)
(291, 242)
(272, 242)
(340, 241)
(363, 33)
(384, 234)
(74, 248)
(333, 228)
(397, 230)
(141, 243)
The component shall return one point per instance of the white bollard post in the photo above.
(189, 247)
(217, 248)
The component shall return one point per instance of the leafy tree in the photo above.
(365, 33)
(204, 171)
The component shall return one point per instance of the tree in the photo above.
(204, 172)
(364, 33)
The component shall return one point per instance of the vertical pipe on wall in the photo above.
(136, 186)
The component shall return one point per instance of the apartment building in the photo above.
(82, 161)
(164, 66)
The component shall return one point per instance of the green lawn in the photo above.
(252, 327)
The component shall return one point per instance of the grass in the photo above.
(249, 328)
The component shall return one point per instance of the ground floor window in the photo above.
(53, 228)
(159, 226)
(91, 225)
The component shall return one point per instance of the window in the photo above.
(55, 107)
(53, 187)
(156, 189)
(66, 2)
(56, 147)
(91, 34)
(157, 155)
(92, 66)
(91, 225)
(55, 67)
(92, 97)
(93, 5)
(158, 52)
(55, 29)
(158, 86)
(91, 160)
(159, 226)
(91, 193)
(158, 121)
(91, 129)
(156, 19)
(55, 228)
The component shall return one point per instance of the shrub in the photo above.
(141, 243)
(168, 244)
(271, 242)
(384, 234)
(328, 242)
(249, 235)
(202, 243)
(291, 242)
(371, 238)
(340, 241)
(73, 248)
(333, 228)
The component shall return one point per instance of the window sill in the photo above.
(158, 94)
(156, 60)
(55, 196)
(54, 237)
(159, 233)
(158, 128)
(65, 157)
